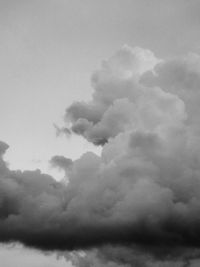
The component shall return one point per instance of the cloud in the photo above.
(61, 130)
(180, 76)
(139, 200)
(115, 90)
(61, 162)
(110, 256)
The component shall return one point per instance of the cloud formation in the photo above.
(142, 194)
(115, 91)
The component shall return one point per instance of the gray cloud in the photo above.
(61, 162)
(140, 199)
(115, 91)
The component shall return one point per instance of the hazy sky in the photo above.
(48, 51)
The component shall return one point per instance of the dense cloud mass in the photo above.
(140, 199)
(116, 88)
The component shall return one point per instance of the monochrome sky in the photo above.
(49, 51)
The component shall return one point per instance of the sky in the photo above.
(49, 50)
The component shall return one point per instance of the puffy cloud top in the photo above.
(116, 89)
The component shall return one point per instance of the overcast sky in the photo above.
(48, 51)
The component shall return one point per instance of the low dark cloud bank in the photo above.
(139, 200)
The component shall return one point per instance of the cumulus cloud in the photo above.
(180, 76)
(140, 199)
(114, 99)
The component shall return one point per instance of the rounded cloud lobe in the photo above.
(141, 196)
(115, 98)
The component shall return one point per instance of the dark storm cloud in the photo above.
(141, 196)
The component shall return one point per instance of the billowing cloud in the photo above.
(140, 199)
(180, 76)
(116, 94)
